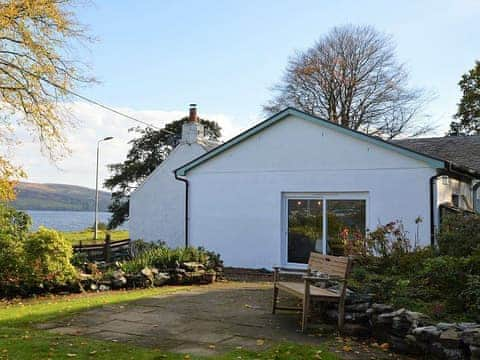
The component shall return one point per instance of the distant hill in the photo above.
(32, 196)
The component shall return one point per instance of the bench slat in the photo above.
(298, 289)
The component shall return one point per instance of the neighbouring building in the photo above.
(292, 183)
(157, 206)
(455, 193)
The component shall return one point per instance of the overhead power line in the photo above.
(94, 102)
(112, 109)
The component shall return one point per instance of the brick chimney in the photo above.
(192, 130)
(192, 117)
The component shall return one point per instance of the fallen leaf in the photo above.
(260, 342)
(71, 355)
(385, 346)
(211, 346)
(347, 348)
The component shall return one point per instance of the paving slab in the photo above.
(202, 320)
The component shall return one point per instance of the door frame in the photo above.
(324, 196)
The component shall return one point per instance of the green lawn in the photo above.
(20, 340)
(86, 236)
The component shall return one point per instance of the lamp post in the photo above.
(96, 186)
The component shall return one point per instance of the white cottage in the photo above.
(157, 206)
(287, 185)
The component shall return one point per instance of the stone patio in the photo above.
(201, 320)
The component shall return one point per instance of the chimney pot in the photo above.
(192, 117)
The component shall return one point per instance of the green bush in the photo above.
(444, 282)
(412, 262)
(441, 276)
(459, 234)
(471, 294)
(47, 258)
(14, 227)
(79, 259)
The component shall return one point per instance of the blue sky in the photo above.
(225, 55)
(155, 57)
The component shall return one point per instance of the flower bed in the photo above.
(153, 265)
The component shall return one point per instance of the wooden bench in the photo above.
(333, 268)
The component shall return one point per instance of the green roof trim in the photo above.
(431, 161)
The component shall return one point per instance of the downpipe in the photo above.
(186, 206)
(433, 180)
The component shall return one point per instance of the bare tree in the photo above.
(351, 76)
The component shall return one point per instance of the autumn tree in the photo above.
(467, 118)
(38, 39)
(351, 76)
(147, 151)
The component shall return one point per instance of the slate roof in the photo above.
(460, 150)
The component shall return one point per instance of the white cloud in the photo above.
(94, 123)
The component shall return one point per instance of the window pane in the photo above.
(304, 229)
(345, 218)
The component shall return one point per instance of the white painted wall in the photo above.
(236, 198)
(157, 207)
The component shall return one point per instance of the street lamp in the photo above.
(96, 185)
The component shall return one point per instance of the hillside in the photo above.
(32, 196)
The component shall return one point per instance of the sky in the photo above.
(153, 58)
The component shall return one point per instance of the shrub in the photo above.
(47, 258)
(135, 265)
(14, 226)
(79, 259)
(443, 282)
(441, 276)
(459, 234)
(471, 294)
(163, 258)
(412, 262)
(140, 246)
(389, 240)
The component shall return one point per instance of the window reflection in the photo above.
(305, 229)
(345, 223)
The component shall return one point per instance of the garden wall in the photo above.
(410, 332)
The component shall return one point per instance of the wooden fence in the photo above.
(107, 251)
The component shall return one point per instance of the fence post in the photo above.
(107, 249)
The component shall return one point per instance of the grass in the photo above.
(32, 311)
(20, 340)
(86, 236)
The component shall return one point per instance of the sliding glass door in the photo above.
(305, 228)
(322, 223)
